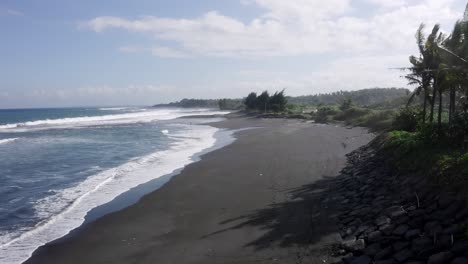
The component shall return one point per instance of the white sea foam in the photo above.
(7, 140)
(115, 108)
(126, 118)
(66, 209)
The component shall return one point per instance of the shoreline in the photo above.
(52, 250)
(132, 196)
(26, 245)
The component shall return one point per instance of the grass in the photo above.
(376, 120)
(444, 165)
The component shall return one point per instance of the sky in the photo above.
(64, 53)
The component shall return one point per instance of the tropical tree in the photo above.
(421, 74)
(278, 102)
(262, 101)
(250, 101)
(425, 69)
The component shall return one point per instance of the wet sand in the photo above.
(261, 199)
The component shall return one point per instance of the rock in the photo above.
(403, 255)
(387, 229)
(411, 234)
(354, 245)
(453, 229)
(460, 247)
(400, 245)
(416, 213)
(445, 200)
(382, 220)
(416, 222)
(462, 214)
(362, 260)
(440, 258)
(400, 230)
(451, 210)
(387, 261)
(350, 230)
(363, 229)
(373, 249)
(421, 243)
(374, 236)
(401, 220)
(384, 253)
(460, 260)
(347, 258)
(395, 211)
(443, 241)
(432, 227)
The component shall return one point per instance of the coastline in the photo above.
(181, 218)
(149, 172)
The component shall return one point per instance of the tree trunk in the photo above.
(434, 93)
(439, 118)
(452, 104)
(424, 105)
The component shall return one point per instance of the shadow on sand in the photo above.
(307, 217)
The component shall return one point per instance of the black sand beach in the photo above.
(253, 201)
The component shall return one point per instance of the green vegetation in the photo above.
(265, 103)
(365, 98)
(230, 104)
(373, 108)
(430, 133)
(223, 104)
(414, 152)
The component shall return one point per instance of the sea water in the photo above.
(57, 165)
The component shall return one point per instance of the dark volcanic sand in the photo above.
(258, 200)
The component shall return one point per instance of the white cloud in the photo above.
(288, 28)
(166, 52)
(388, 4)
(102, 92)
(158, 51)
(356, 50)
(131, 49)
(10, 12)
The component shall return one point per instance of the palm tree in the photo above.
(421, 69)
(433, 60)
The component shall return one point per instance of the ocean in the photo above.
(60, 168)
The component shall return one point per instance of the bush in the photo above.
(458, 129)
(346, 104)
(377, 120)
(406, 119)
(323, 112)
(351, 113)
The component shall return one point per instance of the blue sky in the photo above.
(87, 52)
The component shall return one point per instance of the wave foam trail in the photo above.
(66, 209)
(7, 140)
(126, 118)
(115, 108)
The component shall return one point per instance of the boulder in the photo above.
(362, 260)
(440, 258)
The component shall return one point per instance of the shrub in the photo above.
(351, 113)
(377, 120)
(406, 119)
(323, 112)
(346, 104)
